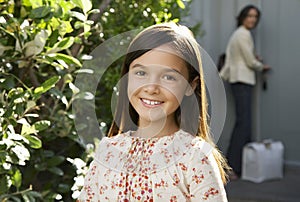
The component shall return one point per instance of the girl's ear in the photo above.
(191, 88)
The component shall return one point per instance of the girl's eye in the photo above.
(140, 73)
(169, 78)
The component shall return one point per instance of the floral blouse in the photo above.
(173, 168)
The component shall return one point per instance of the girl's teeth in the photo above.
(151, 102)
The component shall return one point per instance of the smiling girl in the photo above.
(159, 147)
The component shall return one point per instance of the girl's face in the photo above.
(251, 19)
(157, 82)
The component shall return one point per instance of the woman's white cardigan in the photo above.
(240, 63)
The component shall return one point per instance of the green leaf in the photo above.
(66, 6)
(40, 12)
(30, 104)
(62, 45)
(47, 153)
(68, 78)
(74, 89)
(27, 129)
(53, 38)
(3, 154)
(6, 143)
(15, 199)
(8, 83)
(17, 137)
(36, 46)
(8, 113)
(28, 198)
(78, 25)
(34, 142)
(4, 184)
(176, 20)
(85, 5)
(64, 188)
(47, 85)
(19, 107)
(68, 59)
(65, 27)
(65, 43)
(78, 15)
(56, 171)
(86, 29)
(33, 4)
(94, 11)
(21, 153)
(59, 95)
(50, 61)
(55, 160)
(17, 178)
(58, 11)
(41, 125)
(180, 4)
(84, 95)
(15, 93)
(26, 3)
(40, 166)
(35, 194)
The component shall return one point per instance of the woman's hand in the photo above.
(266, 68)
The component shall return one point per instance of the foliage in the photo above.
(43, 44)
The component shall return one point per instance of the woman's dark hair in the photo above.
(244, 14)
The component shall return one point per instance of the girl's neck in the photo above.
(158, 128)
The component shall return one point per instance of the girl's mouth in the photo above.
(151, 103)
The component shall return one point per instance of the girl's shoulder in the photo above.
(119, 140)
(201, 148)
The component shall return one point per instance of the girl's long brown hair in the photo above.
(190, 119)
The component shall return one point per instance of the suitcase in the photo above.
(262, 161)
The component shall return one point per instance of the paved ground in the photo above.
(284, 190)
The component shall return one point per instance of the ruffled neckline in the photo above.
(130, 154)
(154, 138)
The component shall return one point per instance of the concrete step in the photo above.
(283, 190)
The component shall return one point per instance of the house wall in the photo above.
(277, 40)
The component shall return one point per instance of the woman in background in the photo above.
(239, 70)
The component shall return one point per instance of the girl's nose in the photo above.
(152, 88)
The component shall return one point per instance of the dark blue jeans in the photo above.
(241, 133)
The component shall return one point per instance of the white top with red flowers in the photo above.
(179, 167)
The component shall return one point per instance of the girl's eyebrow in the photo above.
(138, 65)
(165, 69)
(173, 70)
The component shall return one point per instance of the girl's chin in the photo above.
(152, 120)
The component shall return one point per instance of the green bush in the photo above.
(43, 44)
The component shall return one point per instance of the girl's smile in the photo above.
(151, 103)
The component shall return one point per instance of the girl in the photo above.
(239, 69)
(159, 147)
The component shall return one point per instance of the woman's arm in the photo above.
(246, 48)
